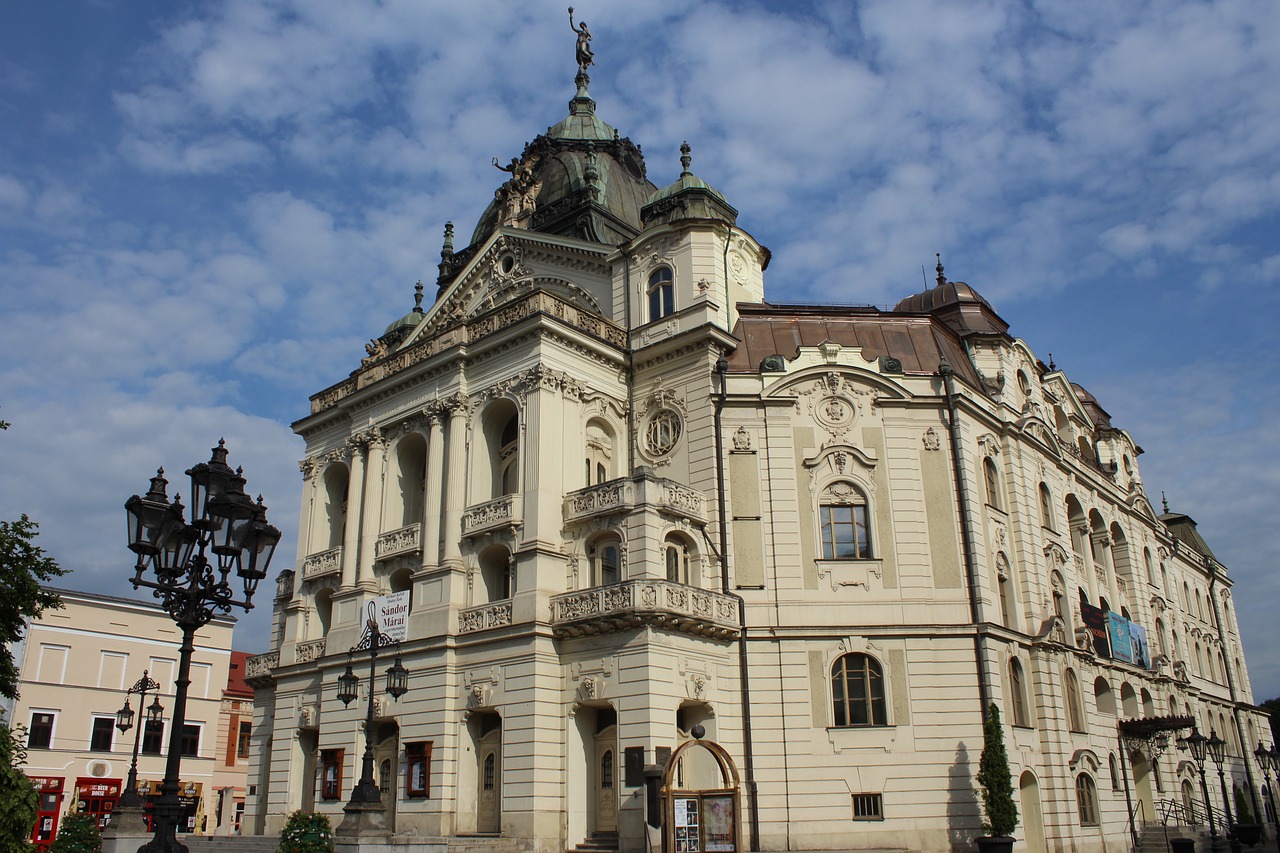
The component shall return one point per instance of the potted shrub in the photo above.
(306, 832)
(996, 783)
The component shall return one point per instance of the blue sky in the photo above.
(206, 209)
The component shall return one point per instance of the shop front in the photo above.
(50, 791)
(97, 797)
(190, 797)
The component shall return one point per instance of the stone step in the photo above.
(231, 843)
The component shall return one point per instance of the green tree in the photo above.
(78, 833)
(24, 566)
(995, 778)
(1272, 707)
(18, 800)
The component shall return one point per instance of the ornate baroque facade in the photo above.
(626, 496)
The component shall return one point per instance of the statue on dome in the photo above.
(586, 56)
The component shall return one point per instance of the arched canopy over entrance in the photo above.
(704, 818)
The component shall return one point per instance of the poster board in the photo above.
(391, 614)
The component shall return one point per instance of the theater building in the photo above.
(625, 494)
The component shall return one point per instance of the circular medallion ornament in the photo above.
(738, 267)
(834, 413)
(663, 432)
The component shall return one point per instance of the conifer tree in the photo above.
(995, 778)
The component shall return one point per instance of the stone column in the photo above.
(307, 513)
(371, 512)
(455, 491)
(433, 500)
(351, 535)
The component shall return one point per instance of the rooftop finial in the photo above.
(1052, 366)
(685, 159)
(417, 297)
(1164, 501)
(585, 55)
(446, 253)
(942, 279)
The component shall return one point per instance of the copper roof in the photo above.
(919, 342)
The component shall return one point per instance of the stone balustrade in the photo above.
(627, 493)
(665, 604)
(506, 511)
(308, 651)
(394, 543)
(322, 564)
(492, 615)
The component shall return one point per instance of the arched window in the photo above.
(676, 556)
(857, 691)
(1046, 507)
(599, 452)
(490, 771)
(1161, 646)
(606, 561)
(509, 457)
(1105, 698)
(1008, 604)
(661, 294)
(1017, 694)
(1149, 566)
(497, 573)
(411, 475)
(1075, 713)
(1128, 700)
(606, 769)
(843, 514)
(336, 479)
(1087, 800)
(991, 477)
(1115, 773)
(1060, 600)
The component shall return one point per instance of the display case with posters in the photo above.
(50, 790)
(701, 820)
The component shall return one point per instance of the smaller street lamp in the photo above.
(1218, 751)
(365, 811)
(1198, 745)
(1269, 761)
(129, 798)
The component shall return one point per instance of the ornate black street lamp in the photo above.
(1218, 751)
(365, 796)
(191, 589)
(1198, 745)
(129, 797)
(1269, 761)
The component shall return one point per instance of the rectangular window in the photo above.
(153, 737)
(868, 807)
(190, 740)
(103, 730)
(242, 740)
(331, 774)
(418, 756)
(40, 734)
(844, 532)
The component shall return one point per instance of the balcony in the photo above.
(506, 511)
(657, 603)
(493, 615)
(396, 543)
(257, 669)
(322, 564)
(642, 490)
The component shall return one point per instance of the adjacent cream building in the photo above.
(75, 665)
(627, 495)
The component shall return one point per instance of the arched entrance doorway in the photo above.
(1189, 800)
(486, 731)
(595, 777)
(386, 763)
(1032, 819)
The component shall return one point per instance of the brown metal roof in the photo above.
(919, 342)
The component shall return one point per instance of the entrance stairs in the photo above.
(598, 842)
(1153, 839)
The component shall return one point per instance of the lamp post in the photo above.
(1269, 761)
(129, 798)
(1217, 752)
(1198, 744)
(191, 589)
(365, 811)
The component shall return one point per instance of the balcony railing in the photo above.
(308, 651)
(506, 511)
(663, 604)
(406, 540)
(493, 615)
(632, 492)
(259, 667)
(322, 564)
